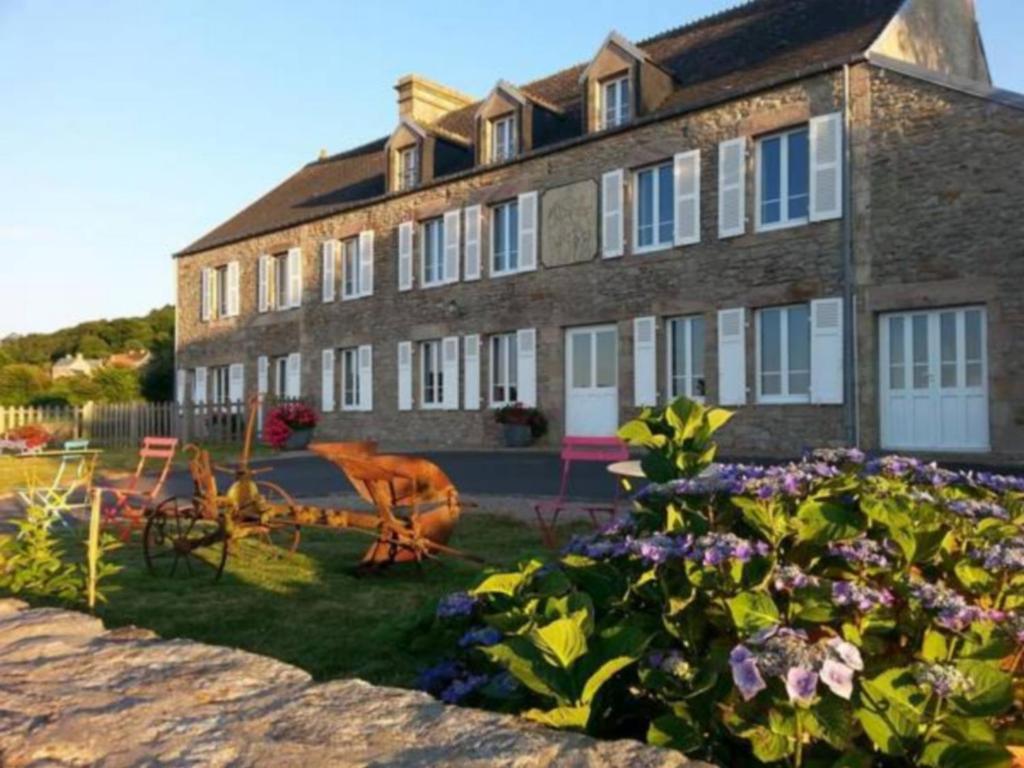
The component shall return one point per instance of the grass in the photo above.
(309, 609)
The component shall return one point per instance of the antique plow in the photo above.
(415, 508)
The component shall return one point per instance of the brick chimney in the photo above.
(425, 101)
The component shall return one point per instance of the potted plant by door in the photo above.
(290, 426)
(521, 425)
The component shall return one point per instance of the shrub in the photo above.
(517, 413)
(284, 419)
(834, 611)
(34, 435)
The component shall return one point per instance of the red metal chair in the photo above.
(605, 450)
(142, 492)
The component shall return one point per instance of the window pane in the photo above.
(697, 355)
(771, 383)
(896, 354)
(605, 341)
(947, 349)
(497, 370)
(513, 367)
(624, 99)
(666, 215)
(645, 208)
(799, 349)
(677, 329)
(771, 344)
(580, 360)
(771, 180)
(512, 236)
(972, 347)
(498, 235)
(919, 332)
(799, 174)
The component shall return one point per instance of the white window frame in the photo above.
(219, 378)
(505, 345)
(657, 245)
(502, 150)
(277, 283)
(408, 160)
(430, 351)
(623, 108)
(784, 398)
(440, 278)
(220, 290)
(349, 358)
(350, 247)
(785, 222)
(511, 238)
(685, 324)
(280, 366)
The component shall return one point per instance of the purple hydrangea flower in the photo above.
(801, 685)
(838, 455)
(862, 597)
(993, 482)
(480, 636)
(456, 604)
(791, 577)
(951, 610)
(848, 653)
(893, 466)
(436, 678)
(745, 672)
(459, 689)
(864, 551)
(1006, 555)
(977, 510)
(945, 680)
(838, 677)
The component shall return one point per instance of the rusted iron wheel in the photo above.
(280, 532)
(179, 542)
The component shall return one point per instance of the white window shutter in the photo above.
(473, 227)
(612, 223)
(526, 360)
(179, 386)
(686, 166)
(366, 263)
(405, 375)
(732, 357)
(293, 376)
(366, 377)
(199, 386)
(263, 283)
(527, 231)
(732, 198)
(328, 259)
(405, 256)
(233, 281)
(826, 149)
(452, 234)
(450, 366)
(327, 380)
(471, 372)
(236, 383)
(827, 351)
(645, 362)
(262, 375)
(294, 277)
(205, 305)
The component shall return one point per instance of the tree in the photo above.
(117, 385)
(93, 347)
(20, 382)
(157, 378)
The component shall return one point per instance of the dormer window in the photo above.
(503, 139)
(408, 168)
(615, 102)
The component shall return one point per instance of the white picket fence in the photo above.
(113, 425)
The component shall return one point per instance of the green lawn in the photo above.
(309, 609)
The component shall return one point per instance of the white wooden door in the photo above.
(934, 380)
(592, 381)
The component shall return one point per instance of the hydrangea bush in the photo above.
(838, 611)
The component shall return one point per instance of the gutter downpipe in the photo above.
(850, 348)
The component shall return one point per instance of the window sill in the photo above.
(783, 400)
(781, 225)
(508, 272)
(441, 284)
(432, 407)
(356, 296)
(656, 248)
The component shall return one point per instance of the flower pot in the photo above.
(517, 435)
(298, 439)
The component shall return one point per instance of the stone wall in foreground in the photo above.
(75, 694)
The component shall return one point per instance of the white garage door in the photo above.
(934, 380)
(591, 381)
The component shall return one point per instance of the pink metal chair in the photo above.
(605, 450)
(141, 493)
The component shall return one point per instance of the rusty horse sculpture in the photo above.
(415, 510)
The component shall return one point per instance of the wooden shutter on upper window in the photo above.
(732, 196)
(686, 167)
(827, 351)
(328, 258)
(365, 377)
(450, 366)
(645, 362)
(294, 277)
(612, 226)
(232, 288)
(405, 256)
(473, 227)
(366, 263)
(327, 380)
(263, 283)
(527, 231)
(451, 245)
(526, 366)
(471, 372)
(826, 150)
(293, 376)
(405, 375)
(179, 386)
(732, 357)
(205, 305)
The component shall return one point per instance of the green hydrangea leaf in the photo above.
(752, 611)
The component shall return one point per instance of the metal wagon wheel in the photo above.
(280, 533)
(173, 537)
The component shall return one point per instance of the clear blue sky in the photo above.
(128, 129)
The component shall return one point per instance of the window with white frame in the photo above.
(783, 179)
(350, 395)
(504, 369)
(615, 101)
(218, 376)
(784, 354)
(432, 251)
(505, 238)
(220, 276)
(431, 374)
(277, 282)
(408, 167)
(350, 268)
(686, 357)
(503, 138)
(654, 208)
(279, 365)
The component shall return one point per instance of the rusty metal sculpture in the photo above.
(415, 510)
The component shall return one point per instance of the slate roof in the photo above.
(729, 53)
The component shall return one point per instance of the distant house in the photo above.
(133, 359)
(73, 365)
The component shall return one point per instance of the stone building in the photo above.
(804, 210)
